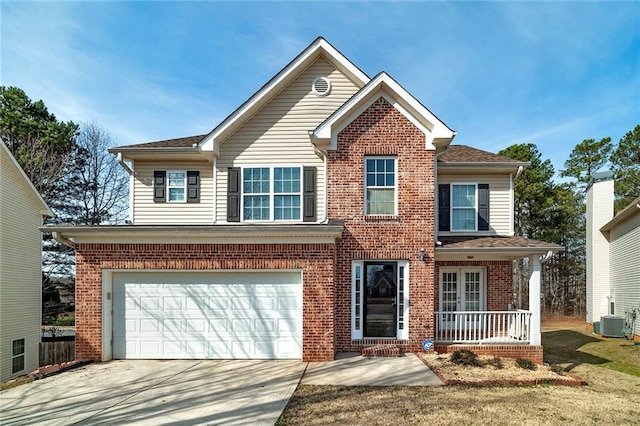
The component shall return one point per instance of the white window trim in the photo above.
(475, 207)
(271, 192)
(169, 187)
(395, 184)
(23, 355)
(460, 283)
(401, 334)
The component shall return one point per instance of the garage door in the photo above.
(207, 316)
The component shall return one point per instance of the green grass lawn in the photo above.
(571, 343)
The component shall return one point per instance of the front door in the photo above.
(380, 312)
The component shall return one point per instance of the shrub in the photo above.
(465, 357)
(527, 364)
(496, 362)
(65, 321)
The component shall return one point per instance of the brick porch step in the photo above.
(381, 350)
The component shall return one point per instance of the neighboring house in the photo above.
(613, 254)
(328, 213)
(21, 212)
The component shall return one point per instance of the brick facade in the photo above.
(315, 260)
(382, 130)
(499, 276)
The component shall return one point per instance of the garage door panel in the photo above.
(218, 315)
(147, 326)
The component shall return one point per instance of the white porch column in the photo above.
(534, 299)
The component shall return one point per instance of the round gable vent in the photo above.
(321, 86)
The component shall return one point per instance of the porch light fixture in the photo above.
(422, 256)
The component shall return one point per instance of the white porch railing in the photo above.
(490, 327)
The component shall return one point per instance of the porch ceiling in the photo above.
(494, 247)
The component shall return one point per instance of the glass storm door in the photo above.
(380, 313)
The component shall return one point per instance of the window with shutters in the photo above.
(463, 207)
(271, 193)
(176, 186)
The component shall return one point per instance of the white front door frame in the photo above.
(358, 294)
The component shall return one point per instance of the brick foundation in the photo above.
(530, 352)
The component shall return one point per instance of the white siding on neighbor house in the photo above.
(599, 212)
(625, 267)
(20, 268)
(278, 133)
(499, 199)
(146, 211)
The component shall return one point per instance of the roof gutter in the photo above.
(124, 165)
(63, 240)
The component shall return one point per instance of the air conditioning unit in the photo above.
(611, 326)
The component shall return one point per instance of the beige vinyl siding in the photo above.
(499, 200)
(20, 268)
(625, 267)
(146, 212)
(278, 133)
(599, 212)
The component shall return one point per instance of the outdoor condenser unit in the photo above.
(611, 326)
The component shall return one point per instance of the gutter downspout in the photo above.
(325, 160)
(63, 240)
(124, 165)
(436, 195)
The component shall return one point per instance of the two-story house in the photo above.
(328, 213)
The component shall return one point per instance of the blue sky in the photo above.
(498, 73)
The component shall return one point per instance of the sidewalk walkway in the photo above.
(352, 369)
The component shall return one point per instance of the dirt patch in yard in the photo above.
(494, 371)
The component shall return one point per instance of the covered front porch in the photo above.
(476, 307)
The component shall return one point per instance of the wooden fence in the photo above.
(57, 352)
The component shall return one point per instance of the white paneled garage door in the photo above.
(223, 315)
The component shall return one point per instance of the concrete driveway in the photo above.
(156, 393)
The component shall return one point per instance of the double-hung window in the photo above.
(271, 193)
(17, 356)
(463, 207)
(176, 185)
(380, 185)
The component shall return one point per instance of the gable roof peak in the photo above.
(319, 47)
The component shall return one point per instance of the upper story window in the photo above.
(380, 185)
(463, 207)
(176, 186)
(271, 193)
(176, 182)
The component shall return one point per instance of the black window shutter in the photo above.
(233, 195)
(444, 215)
(483, 207)
(159, 186)
(309, 194)
(193, 186)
